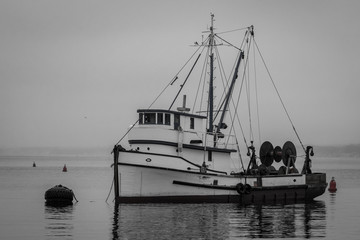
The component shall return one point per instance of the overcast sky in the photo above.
(73, 73)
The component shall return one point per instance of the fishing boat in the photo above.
(188, 154)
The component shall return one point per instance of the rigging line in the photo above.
(132, 126)
(234, 30)
(242, 43)
(227, 83)
(297, 135)
(237, 105)
(238, 120)
(170, 83)
(228, 42)
(232, 129)
(182, 85)
(233, 162)
(223, 76)
(198, 88)
(233, 103)
(238, 148)
(238, 100)
(256, 93)
(203, 80)
(175, 77)
(237, 116)
(204, 85)
(247, 86)
(222, 71)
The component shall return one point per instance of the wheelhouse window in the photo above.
(167, 119)
(154, 118)
(149, 118)
(160, 118)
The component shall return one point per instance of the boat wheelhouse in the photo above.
(180, 134)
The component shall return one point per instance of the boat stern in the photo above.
(316, 185)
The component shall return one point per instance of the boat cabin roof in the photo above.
(171, 112)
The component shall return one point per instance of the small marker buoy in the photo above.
(332, 185)
(64, 168)
(34, 164)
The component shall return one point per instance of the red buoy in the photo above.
(64, 168)
(332, 185)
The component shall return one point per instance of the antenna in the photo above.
(183, 108)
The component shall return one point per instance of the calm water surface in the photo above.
(24, 214)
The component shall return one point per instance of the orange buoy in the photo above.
(34, 164)
(64, 168)
(332, 185)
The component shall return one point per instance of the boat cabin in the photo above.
(171, 120)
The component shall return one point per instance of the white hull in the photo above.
(140, 181)
(152, 182)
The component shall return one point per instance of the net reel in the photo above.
(267, 154)
(289, 154)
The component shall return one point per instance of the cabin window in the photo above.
(154, 118)
(192, 123)
(141, 118)
(160, 118)
(167, 119)
(149, 118)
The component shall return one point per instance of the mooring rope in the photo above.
(112, 184)
(75, 197)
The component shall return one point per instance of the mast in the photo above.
(211, 83)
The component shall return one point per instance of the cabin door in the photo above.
(176, 121)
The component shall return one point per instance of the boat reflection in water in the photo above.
(59, 221)
(287, 221)
(218, 221)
